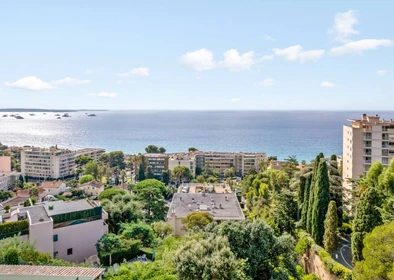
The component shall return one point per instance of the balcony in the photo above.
(367, 161)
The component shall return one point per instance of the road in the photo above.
(343, 255)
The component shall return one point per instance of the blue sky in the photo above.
(200, 55)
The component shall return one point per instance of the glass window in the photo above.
(69, 251)
(55, 237)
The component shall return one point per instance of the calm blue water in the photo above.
(304, 134)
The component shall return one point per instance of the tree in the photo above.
(85, 179)
(107, 243)
(330, 238)
(72, 184)
(181, 173)
(161, 150)
(11, 256)
(154, 149)
(200, 179)
(208, 259)
(109, 193)
(197, 219)
(4, 195)
(155, 184)
(378, 255)
(123, 176)
(290, 165)
(33, 192)
(83, 160)
(305, 204)
(251, 171)
(140, 231)
(285, 212)
(92, 168)
(192, 149)
(161, 228)
(141, 172)
(366, 219)
(153, 202)
(229, 172)
(26, 178)
(113, 159)
(166, 177)
(321, 201)
(149, 173)
(20, 181)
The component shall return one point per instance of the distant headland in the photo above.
(46, 110)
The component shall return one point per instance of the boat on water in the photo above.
(58, 118)
(12, 115)
(32, 115)
(57, 115)
(19, 117)
(66, 115)
(92, 115)
(4, 116)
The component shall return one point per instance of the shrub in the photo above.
(128, 251)
(13, 227)
(310, 277)
(147, 251)
(345, 229)
(302, 245)
(138, 231)
(86, 178)
(109, 193)
(11, 256)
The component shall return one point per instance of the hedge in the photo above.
(9, 229)
(342, 272)
(121, 254)
(71, 216)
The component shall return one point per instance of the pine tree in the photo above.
(330, 238)
(304, 212)
(141, 172)
(312, 193)
(320, 203)
(366, 219)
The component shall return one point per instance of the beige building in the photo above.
(94, 153)
(92, 188)
(43, 163)
(366, 141)
(68, 230)
(158, 163)
(54, 187)
(7, 179)
(221, 206)
(5, 164)
(182, 159)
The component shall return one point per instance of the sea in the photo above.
(278, 133)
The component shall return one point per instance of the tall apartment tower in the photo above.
(366, 141)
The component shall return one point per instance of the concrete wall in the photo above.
(177, 225)
(42, 235)
(81, 238)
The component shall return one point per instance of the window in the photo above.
(55, 237)
(69, 251)
(55, 254)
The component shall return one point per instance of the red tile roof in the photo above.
(50, 270)
(52, 184)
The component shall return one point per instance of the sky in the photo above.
(197, 55)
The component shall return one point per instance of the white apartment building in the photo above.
(182, 159)
(158, 163)
(46, 163)
(94, 153)
(68, 230)
(366, 141)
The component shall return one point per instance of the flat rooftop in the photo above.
(49, 272)
(221, 206)
(60, 207)
(37, 214)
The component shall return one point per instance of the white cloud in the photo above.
(361, 45)
(236, 62)
(343, 26)
(382, 72)
(136, 72)
(268, 37)
(69, 82)
(266, 83)
(199, 60)
(105, 94)
(89, 71)
(30, 83)
(296, 52)
(235, 100)
(327, 85)
(267, 57)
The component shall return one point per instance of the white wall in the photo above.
(42, 235)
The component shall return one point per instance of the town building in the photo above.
(5, 164)
(182, 159)
(54, 187)
(92, 188)
(35, 272)
(43, 163)
(94, 153)
(221, 206)
(158, 163)
(7, 179)
(366, 141)
(67, 230)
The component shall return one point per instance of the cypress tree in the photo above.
(330, 238)
(366, 219)
(320, 203)
(141, 172)
(300, 198)
(304, 212)
(312, 193)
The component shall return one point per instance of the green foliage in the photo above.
(140, 231)
(320, 203)
(72, 184)
(345, 229)
(162, 229)
(85, 179)
(141, 172)
(366, 219)
(11, 256)
(83, 160)
(113, 159)
(378, 254)
(109, 193)
(4, 195)
(332, 266)
(192, 149)
(92, 168)
(305, 204)
(200, 179)
(154, 149)
(302, 245)
(150, 196)
(76, 215)
(142, 271)
(311, 202)
(166, 177)
(128, 250)
(155, 184)
(310, 277)
(229, 172)
(197, 219)
(208, 259)
(182, 173)
(285, 212)
(330, 238)
(290, 165)
(11, 228)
